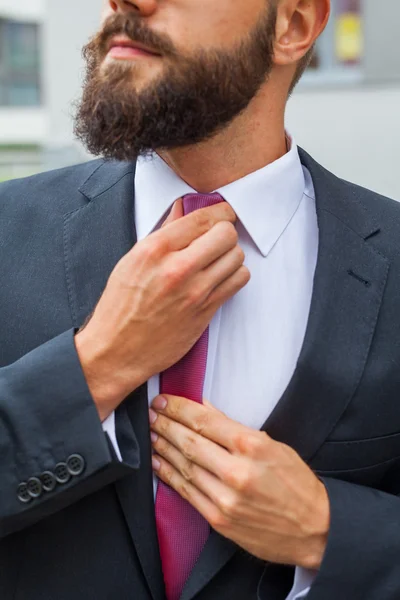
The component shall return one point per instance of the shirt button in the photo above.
(35, 488)
(48, 480)
(23, 494)
(75, 465)
(61, 472)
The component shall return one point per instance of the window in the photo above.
(19, 64)
(339, 50)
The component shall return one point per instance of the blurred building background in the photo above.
(345, 111)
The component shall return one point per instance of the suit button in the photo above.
(35, 488)
(23, 494)
(61, 473)
(75, 465)
(48, 480)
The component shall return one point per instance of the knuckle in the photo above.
(201, 422)
(145, 248)
(188, 471)
(202, 220)
(240, 255)
(255, 445)
(233, 233)
(241, 479)
(184, 490)
(189, 447)
(218, 520)
(161, 245)
(228, 232)
(244, 276)
(174, 274)
(169, 477)
(183, 265)
(250, 444)
(152, 249)
(240, 441)
(162, 425)
(195, 295)
(228, 505)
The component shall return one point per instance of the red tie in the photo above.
(182, 531)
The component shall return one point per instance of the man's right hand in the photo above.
(159, 300)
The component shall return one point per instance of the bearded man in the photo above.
(209, 268)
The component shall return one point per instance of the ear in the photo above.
(299, 23)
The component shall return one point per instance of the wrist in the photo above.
(313, 549)
(107, 385)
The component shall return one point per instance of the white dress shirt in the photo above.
(256, 337)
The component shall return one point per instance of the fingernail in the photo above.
(152, 416)
(159, 403)
(154, 437)
(156, 464)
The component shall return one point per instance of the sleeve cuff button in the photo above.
(48, 480)
(35, 488)
(75, 465)
(23, 494)
(61, 472)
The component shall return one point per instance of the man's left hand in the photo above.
(253, 490)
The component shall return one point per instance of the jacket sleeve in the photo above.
(53, 450)
(361, 561)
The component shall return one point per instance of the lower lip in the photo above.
(127, 52)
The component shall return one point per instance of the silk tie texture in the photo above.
(182, 531)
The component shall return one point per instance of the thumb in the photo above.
(175, 213)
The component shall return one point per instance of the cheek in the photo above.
(210, 23)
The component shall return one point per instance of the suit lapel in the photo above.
(135, 492)
(348, 289)
(96, 237)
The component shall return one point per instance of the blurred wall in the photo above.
(353, 132)
(352, 128)
(22, 9)
(20, 125)
(68, 26)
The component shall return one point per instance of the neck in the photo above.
(253, 140)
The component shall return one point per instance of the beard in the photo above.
(195, 97)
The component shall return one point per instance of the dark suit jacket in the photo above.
(93, 536)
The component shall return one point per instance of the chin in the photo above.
(111, 65)
(144, 75)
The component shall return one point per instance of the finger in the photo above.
(198, 419)
(221, 270)
(212, 246)
(171, 477)
(227, 289)
(182, 232)
(200, 477)
(195, 448)
(175, 213)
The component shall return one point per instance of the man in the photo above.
(215, 271)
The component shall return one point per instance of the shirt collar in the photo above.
(265, 201)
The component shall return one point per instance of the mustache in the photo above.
(134, 28)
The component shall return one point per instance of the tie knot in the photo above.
(193, 202)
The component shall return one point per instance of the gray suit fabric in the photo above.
(94, 537)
